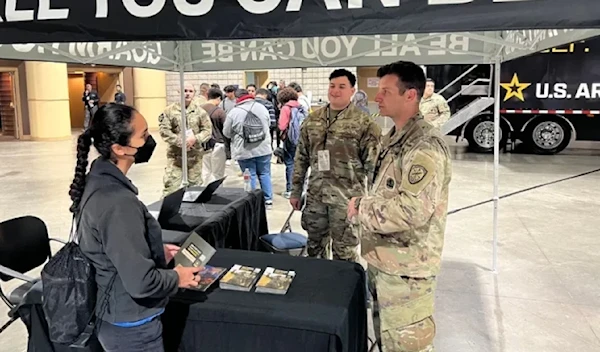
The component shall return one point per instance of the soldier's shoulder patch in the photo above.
(416, 174)
(419, 173)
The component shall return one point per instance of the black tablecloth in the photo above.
(237, 224)
(324, 310)
(222, 197)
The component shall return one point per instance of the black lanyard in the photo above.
(329, 124)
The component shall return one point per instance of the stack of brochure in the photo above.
(240, 278)
(275, 281)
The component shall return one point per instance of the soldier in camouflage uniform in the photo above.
(404, 215)
(339, 143)
(433, 106)
(199, 131)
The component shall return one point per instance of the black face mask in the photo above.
(144, 153)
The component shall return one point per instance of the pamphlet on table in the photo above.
(275, 281)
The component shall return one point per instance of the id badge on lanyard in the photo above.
(323, 156)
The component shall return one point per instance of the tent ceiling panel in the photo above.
(32, 21)
(424, 49)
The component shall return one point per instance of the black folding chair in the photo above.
(24, 246)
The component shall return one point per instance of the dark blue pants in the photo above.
(143, 338)
(289, 152)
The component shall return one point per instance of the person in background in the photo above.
(204, 87)
(361, 100)
(433, 106)
(262, 96)
(290, 107)
(199, 131)
(339, 144)
(120, 237)
(120, 97)
(213, 164)
(404, 215)
(215, 86)
(272, 86)
(227, 104)
(302, 99)
(256, 157)
(251, 88)
(275, 133)
(90, 99)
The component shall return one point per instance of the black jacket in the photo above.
(93, 96)
(119, 235)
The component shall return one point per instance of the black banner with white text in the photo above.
(51, 21)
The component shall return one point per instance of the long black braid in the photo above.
(77, 187)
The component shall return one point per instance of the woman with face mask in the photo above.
(120, 237)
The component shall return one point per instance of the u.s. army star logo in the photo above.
(416, 174)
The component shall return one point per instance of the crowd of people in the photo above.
(386, 193)
(220, 131)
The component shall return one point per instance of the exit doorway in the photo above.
(102, 82)
(259, 78)
(8, 111)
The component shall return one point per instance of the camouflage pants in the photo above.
(402, 312)
(173, 175)
(329, 234)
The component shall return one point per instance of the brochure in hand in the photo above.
(208, 276)
(194, 252)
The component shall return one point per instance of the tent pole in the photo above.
(184, 165)
(497, 66)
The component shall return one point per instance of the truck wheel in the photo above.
(547, 135)
(480, 134)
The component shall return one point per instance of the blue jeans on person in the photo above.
(260, 167)
(289, 152)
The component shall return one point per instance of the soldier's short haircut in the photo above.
(410, 76)
(215, 93)
(286, 95)
(241, 92)
(263, 91)
(342, 72)
(215, 85)
(229, 89)
(187, 85)
(204, 85)
(295, 86)
(430, 80)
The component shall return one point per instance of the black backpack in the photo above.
(252, 130)
(69, 293)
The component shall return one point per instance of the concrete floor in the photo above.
(544, 298)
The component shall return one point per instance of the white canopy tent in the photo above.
(496, 37)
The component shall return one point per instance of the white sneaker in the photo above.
(269, 204)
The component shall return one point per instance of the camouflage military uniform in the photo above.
(435, 109)
(350, 141)
(170, 130)
(404, 219)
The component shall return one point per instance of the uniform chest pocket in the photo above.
(176, 122)
(316, 134)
